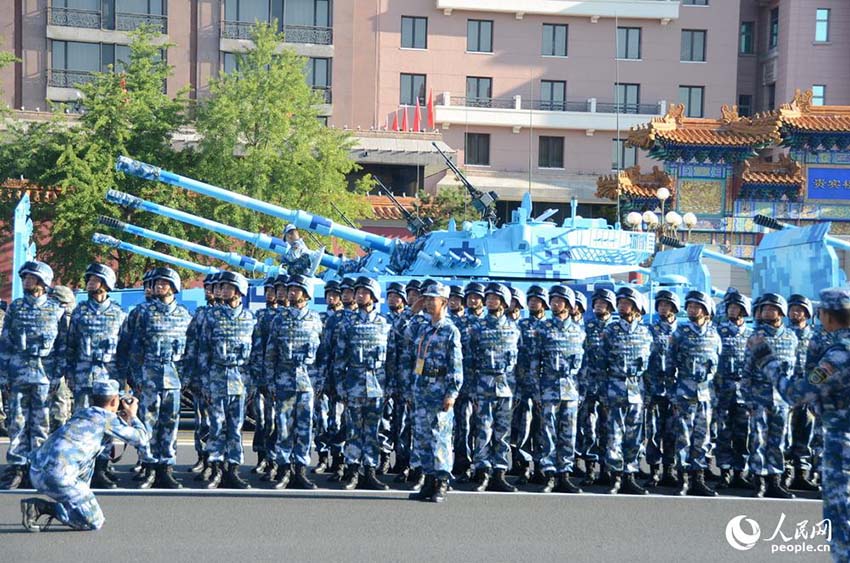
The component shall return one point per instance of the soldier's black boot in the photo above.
(775, 488)
(206, 471)
(654, 476)
(4, 430)
(592, 474)
(523, 476)
(99, 479)
(417, 477)
(698, 487)
(725, 479)
(351, 478)
(300, 480)
(481, 479)
(402, 474)
(137, 468)
(566, 486)
(606, 477)
(165, 478)
(426, 491)
(148, 476)
(13, 477)
(440, 488)
(801, 481)
(758, 486)
(262, 463)
(630, 487)
(384, 464)
(34, 508)
(283, 476)
(271, 474)
(109, 470)
(322, 465)
(739, 481)
(25, 483)
(616, 482)
(549, 486)
(684, 483)
(372, 483)
(337, 468)
(200, 464)
(215, 475)
(668, 478)
(499, 484)
(232, 479)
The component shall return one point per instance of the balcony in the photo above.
(325, 92)
(93, 19)
(292, 33)
(589, 114)
(63, 78)
(662, 10)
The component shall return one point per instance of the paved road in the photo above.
(334, 525)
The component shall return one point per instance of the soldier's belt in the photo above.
(235, 364)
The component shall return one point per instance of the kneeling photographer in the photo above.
(62, 467)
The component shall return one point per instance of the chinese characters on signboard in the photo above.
(828, 183)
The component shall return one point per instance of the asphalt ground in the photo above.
(331, 524)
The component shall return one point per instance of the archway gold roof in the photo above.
(631, 183)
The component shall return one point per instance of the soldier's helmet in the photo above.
(803, 302)
(169, 275)
(540, 293)
(302, 282)
(456, 291)
(581, 301)
(474, 288)
(776, 300)
(102, 272)
(281, 279)
(415, 285)
(268, 282)
(519, 295)
(565, 293)
(633, 295)
(38, 269)
(605, 295)
(741, 301)
(700, 298)
(332, 287)
(235, 279)
(371, 285)
(668, 296)
(398, 289)
(501, 290)
(347, 283)
(146, 278)
(209, 279)
(64, 296)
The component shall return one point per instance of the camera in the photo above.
(124, 402)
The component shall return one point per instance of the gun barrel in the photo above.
(230, 258)
(259, 240)
(113, 242)
(771, 223)
(737, 262)
(301, 219)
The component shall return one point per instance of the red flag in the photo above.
(431, 120)
(395, 121)
(404, 119)
(417, 117)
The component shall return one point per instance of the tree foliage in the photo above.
(449, 202)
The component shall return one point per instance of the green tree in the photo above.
(262, 137)
(449, 202)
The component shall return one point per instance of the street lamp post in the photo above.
(690, 221)
(662, 194)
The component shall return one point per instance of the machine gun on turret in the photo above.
(417, 225)
(483, 202)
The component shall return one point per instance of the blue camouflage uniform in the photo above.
(337, 427)
(819, 343)
(694, 357)
(801, 423)
(494, 350)
(405, 382)
(526, 418)
(622, 359)
(464, 437)
(359, 357)
(225, 345)
(192, 375)
(395, 431)
(592, 440)
(294, 338)
(556, 355)
(660, 431)
(324, 409)
(436, 375)
(769, 411)
(62, 467)
(92, 346)
(732, 418)
(158, 346)
(27, 353)
(265, 433)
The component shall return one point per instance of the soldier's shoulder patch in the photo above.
(821, 373)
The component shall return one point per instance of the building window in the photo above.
(479, 91)
(694, 2)
(818, 94)
(230, 62)
(414, 32)
(247, 11)
(774, 29)
(822, 25)
(628, 98)
(412, 87)
(323, 119)
(692, 97)
(771, 96)
(551, 152)
(479, 36)
(745, 39)
(554, 40)
(745, 105)
(553, 95)
(477, 149)
(622, 157)
(628, 42)
(319, 74)
(693, 45)
(310, 13)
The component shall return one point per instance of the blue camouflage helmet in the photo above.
(302, 282)
(370, 284)
(38, 269)
(519, 295)
(146, 278)
(605, 295)
(169, 275)
(436, 289)
(456, 291)
(107, 388)
(415, 285)
(209, 279)
(474, 288)
(332, 287)
(741, 301)
(633, 295)
(730, 292)
(540, 293)
(565, 293)
(835, 299)
(700, 298)
(775, 300)
(281, 279)
(235, 279)
(499, 289)
(398, 289)
(347, 283)
(103, 273)
(802, 301)
(267, 283)
(581, 301)
(669, 297)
